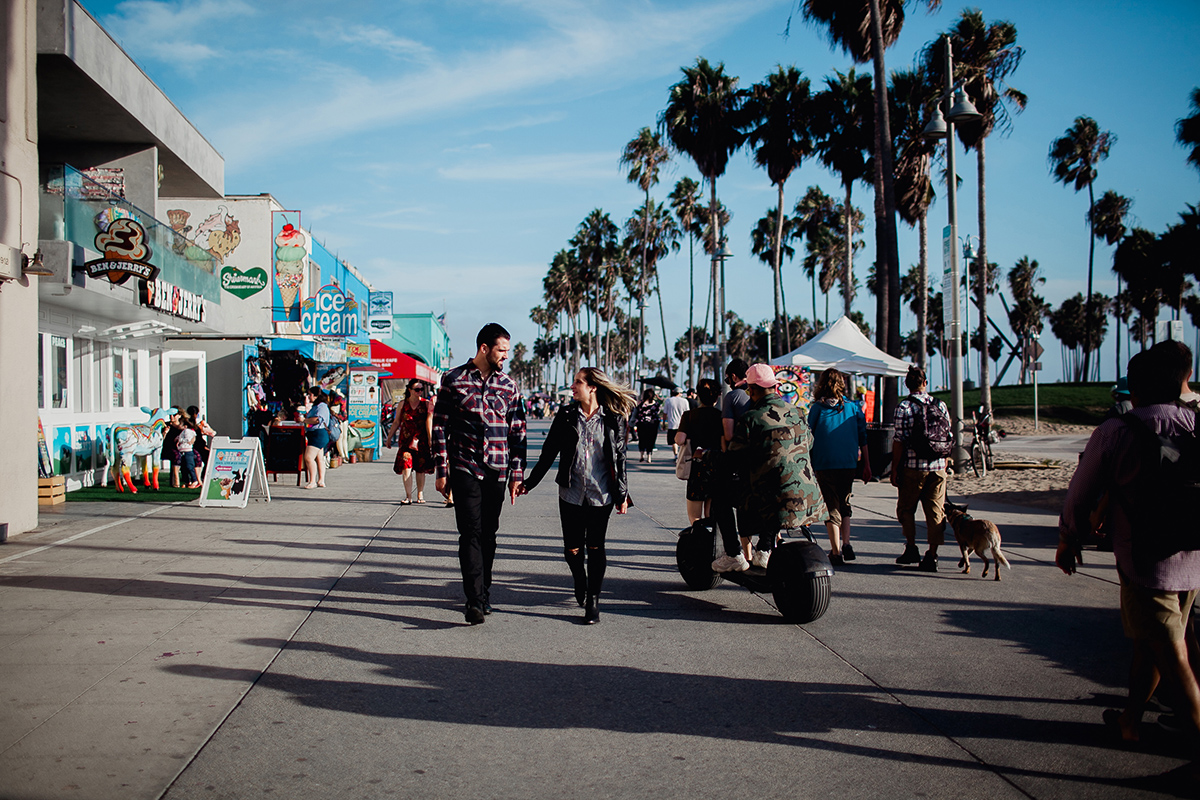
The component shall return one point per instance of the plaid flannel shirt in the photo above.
(479, 424)
(906, 412)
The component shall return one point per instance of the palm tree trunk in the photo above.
(718, 290)
(691, 311)
(1117, 325)
(1087, 313)
(981, 269)
(923, 288)
(775, 258)
(663, 321)
(848, 273)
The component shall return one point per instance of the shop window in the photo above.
(118, 379)
(97, 401)
(59, 376)
(133, 364)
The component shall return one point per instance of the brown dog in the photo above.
(975, 536)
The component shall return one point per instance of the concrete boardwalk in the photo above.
(315, 647)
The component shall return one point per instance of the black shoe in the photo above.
(928, 563)
(474, 614)
(591, 613)
(581, 590)
(837, 560)
(487, 607)
(847, 552)
(911, 555)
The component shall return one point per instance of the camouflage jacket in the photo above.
(772, 446)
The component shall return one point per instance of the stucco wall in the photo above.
(18, 299)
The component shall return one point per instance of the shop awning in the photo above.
(400, 365)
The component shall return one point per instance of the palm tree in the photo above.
(703, 120)
(843, 119)
(563, 293)
(984, 56)
(1187, 130)
(1107, 218)
(644, 155)
(814, 220)
(597, 249)
(1138, 259)
(712, 245)
(910, 95)
(864, 29)
(777, 113)
(1073, 160)
(653, 231)
(685, 200)
(1029, 309)
(768, 242)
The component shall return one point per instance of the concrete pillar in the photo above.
(18, 298)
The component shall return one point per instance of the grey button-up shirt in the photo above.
(590, 481)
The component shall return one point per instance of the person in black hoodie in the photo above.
(588, 438)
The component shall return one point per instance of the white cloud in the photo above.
(618, 41)
(382, 39)
(173, 31)
(563, 167)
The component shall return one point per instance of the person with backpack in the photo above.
(922, 442)
(1139, 478)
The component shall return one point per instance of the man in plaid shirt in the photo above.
(919, 480)
(478, 445)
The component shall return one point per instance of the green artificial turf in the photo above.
(1077, 404)
(109, 494)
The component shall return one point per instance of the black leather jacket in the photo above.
(562, 440)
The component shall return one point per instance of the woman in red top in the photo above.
(414, 420)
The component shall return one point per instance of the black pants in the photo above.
(584, 528)
(477, 505)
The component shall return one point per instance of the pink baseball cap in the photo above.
(761, 375)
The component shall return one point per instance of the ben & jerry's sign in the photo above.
(126, 253)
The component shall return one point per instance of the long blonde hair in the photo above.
(610, 394)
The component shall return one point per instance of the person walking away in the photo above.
(478, 444)
(839, 431)
(735, 403)
(649, 412)
(919, 470)
(673, 410)
(185, 446)
(413, 419)
(701, 428)
(588, 439)
(772, 448)
(316, 423)
(1147, 504)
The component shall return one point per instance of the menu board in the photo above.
(234, 467)
(364, 401)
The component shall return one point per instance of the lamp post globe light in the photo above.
(942, 127)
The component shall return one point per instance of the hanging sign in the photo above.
(170, 299)
(234, 473)
(126, 252)
(330, 313)
(243, 284)
(379, 316)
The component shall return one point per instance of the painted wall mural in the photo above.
(216, 237)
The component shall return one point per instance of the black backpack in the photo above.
(1162, 493)
(931, 435)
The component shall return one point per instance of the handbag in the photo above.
(683, 462)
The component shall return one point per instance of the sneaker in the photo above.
(911, 555)
(847, 552)
(760, 558)
(736, 563)
(928, 563)
(474, 614)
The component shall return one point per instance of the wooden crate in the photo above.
(52, 491)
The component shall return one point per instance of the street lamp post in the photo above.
(943, 128)
(719, 332)
(968, 257)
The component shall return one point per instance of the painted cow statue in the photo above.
(128, 442)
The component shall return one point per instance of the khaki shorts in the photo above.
(1154, 615)
(837, 485)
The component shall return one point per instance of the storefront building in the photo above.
(423, 337)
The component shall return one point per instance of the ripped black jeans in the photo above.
(584, 528)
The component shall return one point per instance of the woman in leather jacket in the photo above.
(588, 438)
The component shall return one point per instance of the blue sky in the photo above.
(448, 148)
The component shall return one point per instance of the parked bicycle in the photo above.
(981, 446)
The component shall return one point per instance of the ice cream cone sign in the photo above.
(291, 250)
(126, 252)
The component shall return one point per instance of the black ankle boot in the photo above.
(591, 610)
(579, 572)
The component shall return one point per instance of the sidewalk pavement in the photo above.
(314, 647)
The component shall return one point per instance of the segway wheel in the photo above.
(694, 554)
(800, 576)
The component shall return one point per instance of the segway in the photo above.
(798, 575)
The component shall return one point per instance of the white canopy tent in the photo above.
(843, 345)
